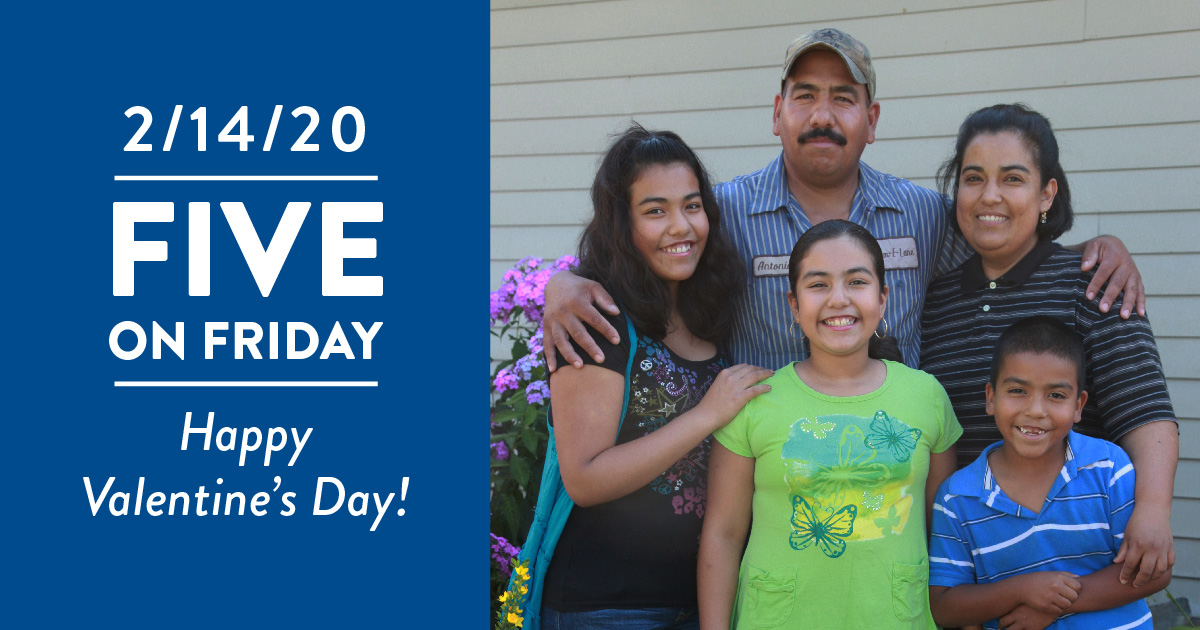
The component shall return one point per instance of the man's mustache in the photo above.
(823, 132)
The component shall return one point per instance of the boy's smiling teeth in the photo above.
(840, 321)
(1031, 430)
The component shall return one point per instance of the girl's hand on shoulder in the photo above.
(732, 389)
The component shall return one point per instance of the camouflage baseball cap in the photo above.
(852, 51)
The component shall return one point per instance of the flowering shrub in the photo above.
(510, 615)
(520, 394)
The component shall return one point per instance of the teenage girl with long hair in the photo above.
(627, 554)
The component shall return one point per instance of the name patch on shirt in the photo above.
(899, 252)
(765, 266)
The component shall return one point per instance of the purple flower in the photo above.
(525, 366)
(505, 381)
(537, 391)
(503, 552)
(530, 262)
(535, 343)
(500, 450)
(566, 262)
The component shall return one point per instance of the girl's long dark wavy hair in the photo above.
(705, 301)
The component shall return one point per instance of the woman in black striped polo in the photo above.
(1011, 201)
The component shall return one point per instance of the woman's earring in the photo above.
(1043, 216)
(885, 329)
(793, 328)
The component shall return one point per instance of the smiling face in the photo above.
(838, 300)
(1000, 199)
(1035, 402)
(824, 119)
(668, 223)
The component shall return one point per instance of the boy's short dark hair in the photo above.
(1040, 335)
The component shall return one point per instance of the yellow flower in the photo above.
(523, 572)
(504, 597)
(515, 619)
(524, 589)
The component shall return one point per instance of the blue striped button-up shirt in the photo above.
(912, 224)
(981, 536)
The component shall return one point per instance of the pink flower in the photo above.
(505, 381)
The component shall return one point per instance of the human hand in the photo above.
(731, 390)
(569, 305)
(1147, 547)
(1026, 618)
(1114, 265)
(1049, 592)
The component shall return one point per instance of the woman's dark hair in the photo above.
(886, 348)
(705, 301)
(1035, 130)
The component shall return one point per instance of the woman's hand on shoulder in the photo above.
(732, 389)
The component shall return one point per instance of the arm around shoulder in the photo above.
(571, 302)
(1113, 264)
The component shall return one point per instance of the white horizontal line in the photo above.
(245, 383)
(245, 178)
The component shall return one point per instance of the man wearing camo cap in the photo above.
(825, 115)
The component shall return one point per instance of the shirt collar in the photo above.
(973, 277)
(976, 479)
(775, 191)
(776, 195)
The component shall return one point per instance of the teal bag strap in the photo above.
(554, 506)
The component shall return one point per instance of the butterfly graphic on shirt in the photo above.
(828, 534)
(890, 433)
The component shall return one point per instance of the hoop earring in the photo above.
(1043, 216)
(885, 329)
(793, 328)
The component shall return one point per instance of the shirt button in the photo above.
(986, 308)
(991, 285)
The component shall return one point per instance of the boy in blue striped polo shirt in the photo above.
(1026, 535)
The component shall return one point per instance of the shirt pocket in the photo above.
(770, 596)
(910, 590)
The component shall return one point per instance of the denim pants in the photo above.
(623, 619)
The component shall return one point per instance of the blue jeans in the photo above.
(622, 619)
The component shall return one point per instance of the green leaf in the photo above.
(511, 514)
(530, 439)
(504, 415)
(520, 469)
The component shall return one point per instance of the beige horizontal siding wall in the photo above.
(1119, 79)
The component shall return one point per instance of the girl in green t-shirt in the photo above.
(836, 465)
